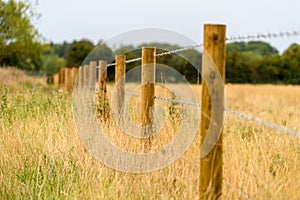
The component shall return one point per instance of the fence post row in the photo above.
(148, 92)
(211, 165)
(214, 44)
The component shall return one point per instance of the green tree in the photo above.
(19, 40)
(78, 52)
(290, 64)
(52, 63)
(251, 62)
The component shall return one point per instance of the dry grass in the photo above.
(13, 76)
(41, 156)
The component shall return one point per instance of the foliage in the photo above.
(258, 62)
(52, 62)
(77, 52)
(19, 40)
(246, 62)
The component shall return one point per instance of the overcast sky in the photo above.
(97, 19)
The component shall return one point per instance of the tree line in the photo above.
(246, 62)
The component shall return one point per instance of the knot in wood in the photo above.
(212, 75)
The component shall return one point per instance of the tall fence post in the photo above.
(211, 166)
(120, 69)
(148, 92)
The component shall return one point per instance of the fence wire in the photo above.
(175, 51)
(239, 191)
(264, 36)
(230, 38)
(264, 123)
(233, 112)
(177, 101)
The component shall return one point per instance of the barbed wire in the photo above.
(180, 50)
(175, 51)
(177, 101)
(264, 36)
(239, 191)
(236, 113)
(230, 38)
(264, 123)
(127, 61)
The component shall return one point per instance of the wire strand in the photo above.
(239, 191)
(230, 38)
(264, 36)
(228, 110)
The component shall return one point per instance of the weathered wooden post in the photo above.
(211, 165)
(148, 92)
(120, 69)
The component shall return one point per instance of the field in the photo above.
(42, 157)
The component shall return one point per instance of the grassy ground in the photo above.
(41, 156)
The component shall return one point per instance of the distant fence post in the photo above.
(211, 166)
(120, 69)
(80, 78)
(102, 77)
(68, 79)
(56, 80)
(102, 74)
(148, 92)
(74, 73)
(61, 77)
(92, 74)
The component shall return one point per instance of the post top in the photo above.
(148, 47)
(121, 56)
(212, 24)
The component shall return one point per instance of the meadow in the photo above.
(42, 157)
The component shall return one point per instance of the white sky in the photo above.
(97, 19)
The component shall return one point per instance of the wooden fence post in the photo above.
(80, 78)
(61, 77)
(92, 74)
(56, 80)
(102, 77)
(148, 92)
(102, 74)
(68, 79)
(75, 74)
(120, 69)
(211, 166)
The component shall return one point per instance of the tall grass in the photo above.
(41, 156)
